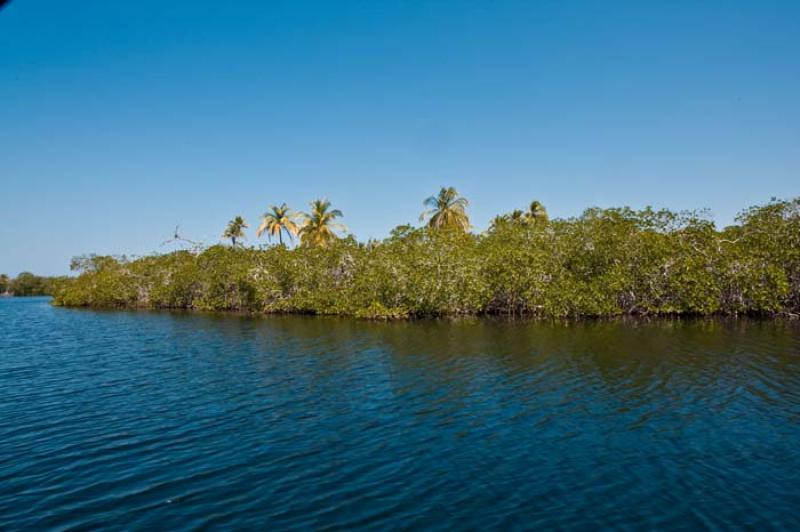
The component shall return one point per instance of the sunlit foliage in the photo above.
(446, 210)
(276, 222)
(606, 262)
(319, 228)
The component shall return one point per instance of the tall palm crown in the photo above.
(276, 221)
(448, 209)
(235, 229)
(537, 213)
(319, 227)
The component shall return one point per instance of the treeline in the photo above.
(28, 284)
(605, 262)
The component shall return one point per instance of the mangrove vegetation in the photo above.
(27, 284)
(605, 262)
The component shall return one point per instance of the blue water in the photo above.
(126, 420)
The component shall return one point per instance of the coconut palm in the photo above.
(448, 209)
(515, 216)
(277, 221)
(537, 213)
(235, 229)
(319, 228)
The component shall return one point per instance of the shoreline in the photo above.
(485, 316)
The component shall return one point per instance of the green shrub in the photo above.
(605, 262)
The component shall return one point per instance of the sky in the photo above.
(120, 120)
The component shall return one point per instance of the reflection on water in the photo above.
(179, 420)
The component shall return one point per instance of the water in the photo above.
(180, 421)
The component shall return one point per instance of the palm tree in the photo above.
(277, 221)
(235, 229)
(448, 209)
(515, 216)
(537, 213)
(319, 228)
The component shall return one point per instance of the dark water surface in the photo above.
(179, 421)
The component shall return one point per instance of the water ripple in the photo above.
(121, 420)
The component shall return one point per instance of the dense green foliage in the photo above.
(605, 262)
(28, 284)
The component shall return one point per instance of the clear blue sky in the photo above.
(119, 120)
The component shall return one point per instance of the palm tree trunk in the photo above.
(280, 236)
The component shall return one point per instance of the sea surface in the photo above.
(176, 421)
